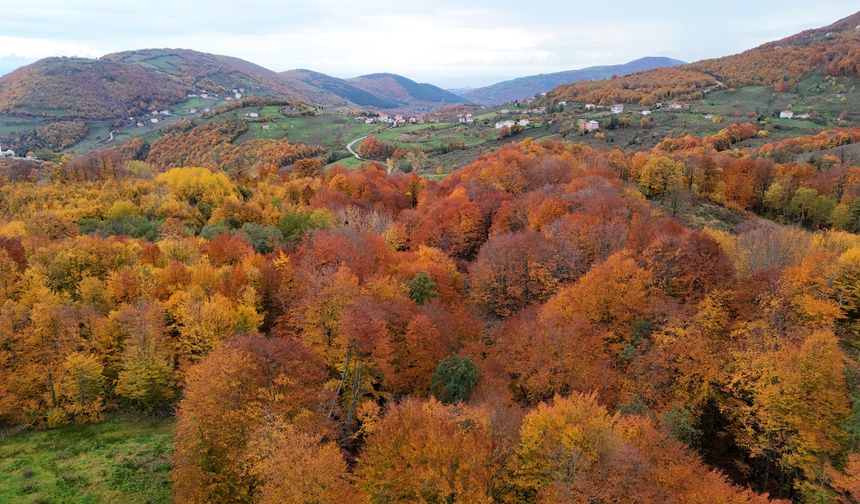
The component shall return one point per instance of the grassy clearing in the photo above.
(123, 460)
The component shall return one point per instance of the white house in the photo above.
(523, 122)
(254, 115)
(6, 153)
(617, 108)
(591, 126)
(505, 124)
(562, 104)
(786, 114)
(646, 112)
(265, 126)
(505, 111)
(802, 116)
(154, 120)
(589, 106)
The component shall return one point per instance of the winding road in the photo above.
(350, 144)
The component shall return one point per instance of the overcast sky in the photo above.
(449, 43)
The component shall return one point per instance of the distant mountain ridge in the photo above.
(529, 86)
(126, 83)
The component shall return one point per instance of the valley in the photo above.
(624, 283)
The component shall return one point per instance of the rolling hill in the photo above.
(833, 50)
(126, 83)
(529, 86)
(122, 84)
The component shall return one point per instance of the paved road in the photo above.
(110, 139)
(350, 144)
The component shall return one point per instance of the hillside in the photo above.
(780, 65)
(338, 90)
(125, 84)
(86, 88)
(532, 85)
(406, 92)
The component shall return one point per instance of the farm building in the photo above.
(786, 114)
(617, 108)
(591, 126)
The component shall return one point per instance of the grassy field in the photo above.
(123, 460)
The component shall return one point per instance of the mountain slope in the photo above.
(338, 89)
(833, 49)
(122, 84)
(406, 92)
(85, 88)
(532, 85)
(127, 83)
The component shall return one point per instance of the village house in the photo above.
(139, 124)
(646, 112)
(253, 115)
(505, 111)
(802, 116)
(590, 126)
(678, 106)
(523, 122)
(505, 124)
(562, 104)
(589, 106)
(617, 108)
(469, 119)
(786, 114)
(265, 126)
(9, 153)
(154, 120)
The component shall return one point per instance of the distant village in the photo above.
(156, 116)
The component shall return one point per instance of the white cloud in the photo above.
(34, 48)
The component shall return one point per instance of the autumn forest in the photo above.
(563, 319)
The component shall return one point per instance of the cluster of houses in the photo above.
(510, 123)
(395, 120)
(235, 94)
